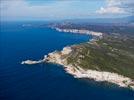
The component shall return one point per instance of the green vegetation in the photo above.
(113, 53)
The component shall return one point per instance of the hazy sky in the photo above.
(63, 9)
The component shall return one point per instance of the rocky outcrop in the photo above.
(31, 62)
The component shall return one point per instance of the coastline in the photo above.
(80, 31)
(78, 72)
(60, 57)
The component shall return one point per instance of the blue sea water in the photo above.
(44, 81)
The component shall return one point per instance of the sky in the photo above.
(64, 9)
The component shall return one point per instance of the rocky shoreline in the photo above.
(60, 57)
(80, 31)
(31, 62)
(57, 57)
(78, 72)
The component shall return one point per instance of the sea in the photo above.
(20, 41)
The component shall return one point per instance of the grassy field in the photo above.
(113, 53)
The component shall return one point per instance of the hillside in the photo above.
(112, 53)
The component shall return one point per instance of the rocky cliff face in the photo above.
(80, 31)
